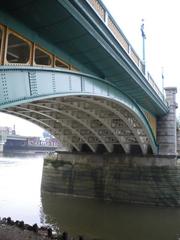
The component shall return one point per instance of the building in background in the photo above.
(11, 142)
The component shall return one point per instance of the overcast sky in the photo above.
(161, 20)
(162, 31)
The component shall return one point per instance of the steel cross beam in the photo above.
(67, 143)
(95, 115)
(58, 124)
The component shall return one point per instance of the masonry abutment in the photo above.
(178, 141)
(166, 131)
(148, 180)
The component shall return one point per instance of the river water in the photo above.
(21, 198)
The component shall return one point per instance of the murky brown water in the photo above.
(21, 198)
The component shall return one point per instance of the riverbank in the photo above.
(14, 233)
(17, 230)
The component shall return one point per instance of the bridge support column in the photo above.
(166, 131)
(178, 141)
(1, 147)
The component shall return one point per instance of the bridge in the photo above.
(67, 67)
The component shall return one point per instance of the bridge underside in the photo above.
(83, 112)
(87, 123)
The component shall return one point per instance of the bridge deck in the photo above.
(73, 31)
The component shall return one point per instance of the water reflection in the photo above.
(111, 221)
(20, 198)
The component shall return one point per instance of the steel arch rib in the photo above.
(59, 121)
(42, 124)
(100, 119)
(109, 148)
(65, 83)
(95, 117)
(118, 114)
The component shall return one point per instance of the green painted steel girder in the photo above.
(20, 85)
(73, 31)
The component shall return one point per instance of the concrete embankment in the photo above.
(139, 179)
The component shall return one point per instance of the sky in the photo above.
(162, 44)
(161, 26)
(23, 127)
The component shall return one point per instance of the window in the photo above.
(18, 50)
(1, 43)
(1, 33)
(59, 63)
(41, 57)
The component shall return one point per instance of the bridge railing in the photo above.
(108, 20)
(155, 87)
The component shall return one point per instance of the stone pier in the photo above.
(178, 141)
(1, 147)
(144, 180)
(166, 126)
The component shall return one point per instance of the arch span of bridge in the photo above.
(83, 111)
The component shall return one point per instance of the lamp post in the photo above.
(143, 43)
(162, 76)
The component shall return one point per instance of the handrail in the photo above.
(113, 27)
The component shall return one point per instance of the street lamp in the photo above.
(162, 78)
(143, 42)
